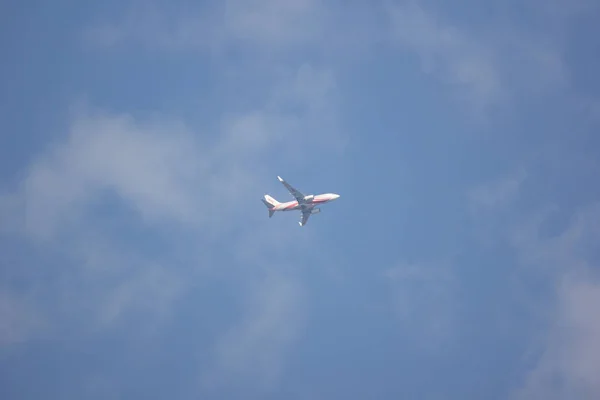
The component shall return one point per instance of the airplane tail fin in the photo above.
(270, 203)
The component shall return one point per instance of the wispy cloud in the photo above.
(124, 215)
(19, 321)
(265, 30)
(115, 182)
(275, 22)
(497, 194)
(555, 281)
(156, 166)
(147, 24)
(150, 167)
(494, 65)
(423, 299)
(568, 365)
(570, 349)
(252, 352)
(491, 206)
(256, 23)
(455, 56)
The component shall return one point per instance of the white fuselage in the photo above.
(306, 204)
(310, 204)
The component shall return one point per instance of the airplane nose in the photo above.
(336, 196)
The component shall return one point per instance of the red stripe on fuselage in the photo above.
(290, 205)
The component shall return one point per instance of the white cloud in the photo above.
(491, 204)
(563, 252)
(497, 194)
(161, 175)
(570, 358)
(565, 263)
(256, 23)
(148, 24)
(151, 167)
(446, 51)
(156, 170)
(274, 22)
(493, 65)
(150, 289)
(251, 353)
(262, 31)
(424, 300)
(163, 170)
(18, 321)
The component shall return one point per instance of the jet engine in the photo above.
(309, 198)
(315, 211)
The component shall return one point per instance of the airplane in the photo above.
(306, 204)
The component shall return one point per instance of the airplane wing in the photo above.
(299, 196)
(304, 218)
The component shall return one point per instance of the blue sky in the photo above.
(461, 261)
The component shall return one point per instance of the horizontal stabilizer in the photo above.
(269, 206)
(266, 203)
